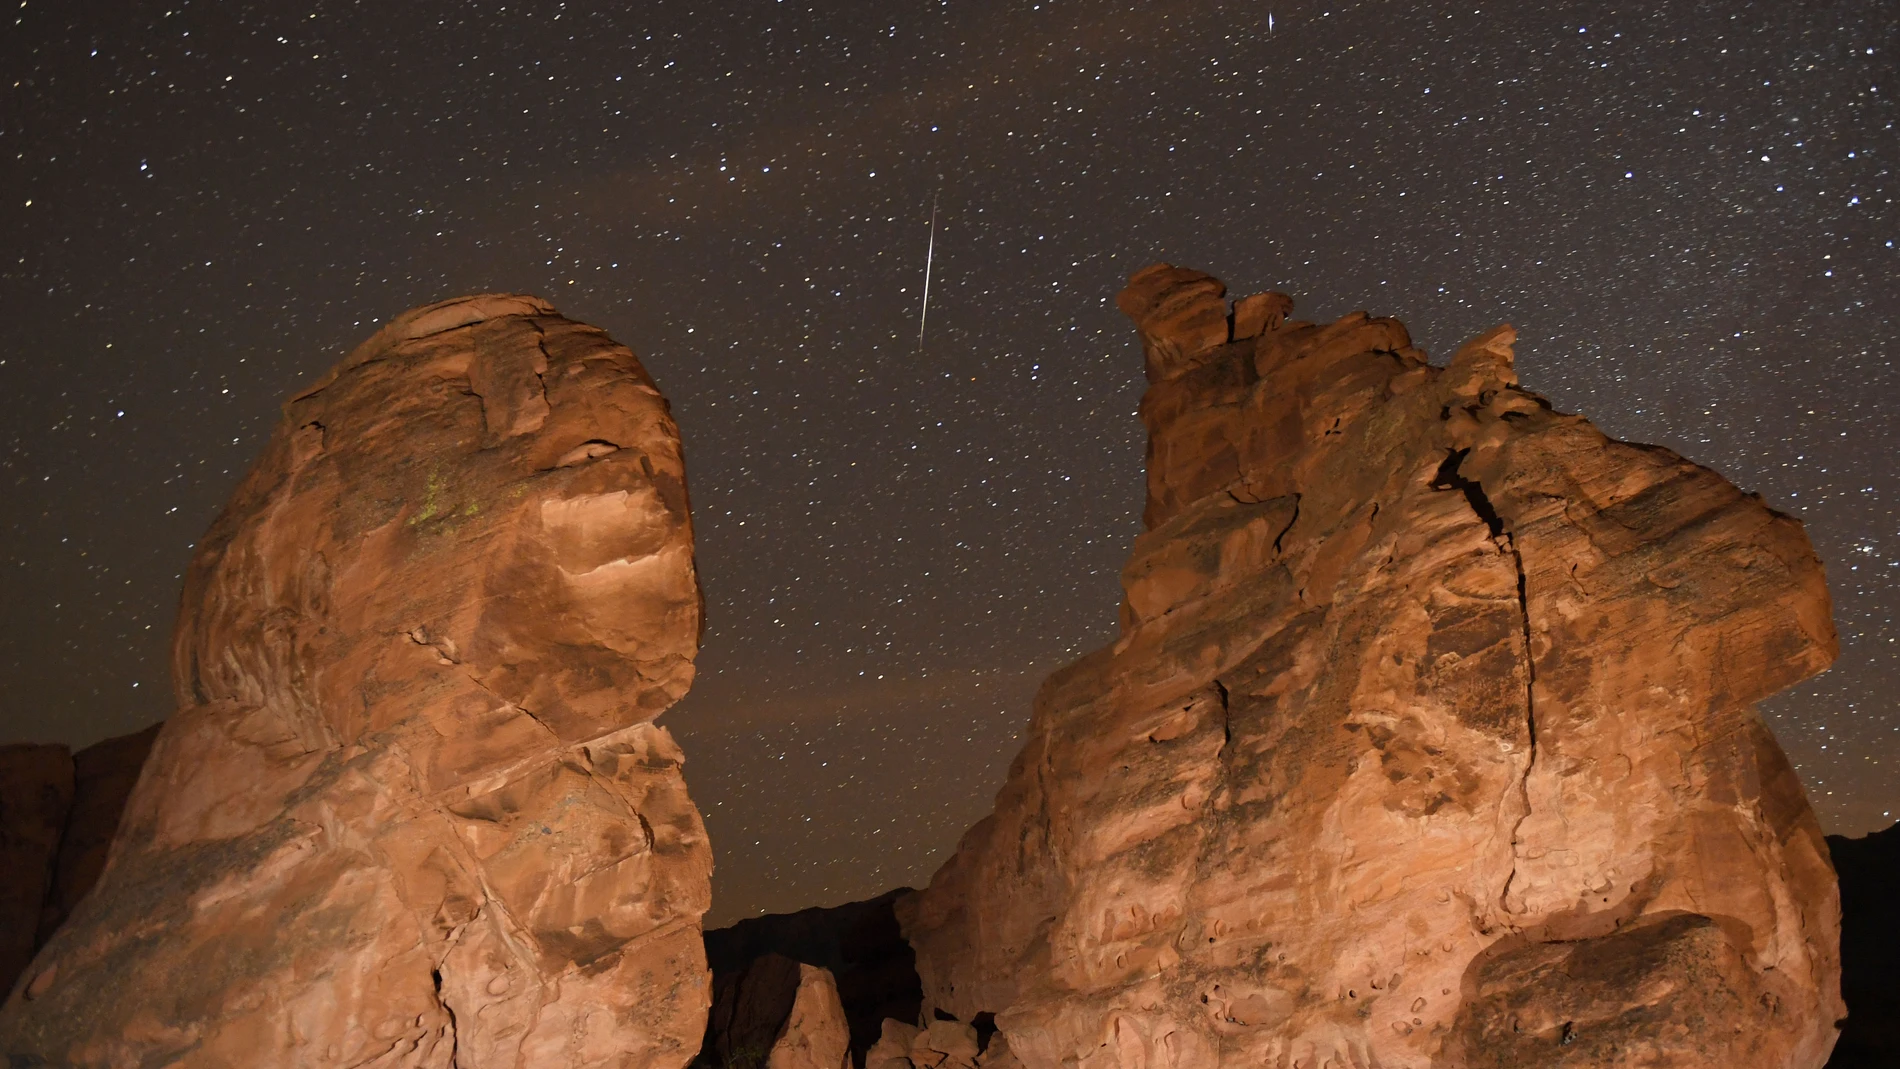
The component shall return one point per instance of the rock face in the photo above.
(1429, 739)
(413, 810)
(1870, 948)
(58, 811)
(858, 944)
(815, 1035)
(103, 777)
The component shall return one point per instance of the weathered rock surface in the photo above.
(858, 944)
(944, 1044)
(892, 1049)
(103, 777)
(1429, 740)
(815, 1035)
(36, 792)
(413, 810)
(1869, 868)
(58, 811)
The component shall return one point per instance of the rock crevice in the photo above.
(1449, 477)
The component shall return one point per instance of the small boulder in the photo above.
(946, 1044)
(815, 1035)
(892, 1049)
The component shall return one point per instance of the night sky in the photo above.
(1686, 209)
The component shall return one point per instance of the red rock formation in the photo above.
(892, 1049)
(944, 1045)
(1429, 740)
(413, 810)
(58, 811)
(997, 1055)
(858, 943)
(776, 1013)
(750, 1005)
(815, 1035)
(103, 777)
(36, 791)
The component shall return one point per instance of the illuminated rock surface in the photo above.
(1429, 740)
(412, 809)
(815, 1035)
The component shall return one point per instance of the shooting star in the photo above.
(930, 256)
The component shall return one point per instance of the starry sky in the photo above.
(1685, 207)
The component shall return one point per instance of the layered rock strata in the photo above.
(1429, 739)
(413, 809)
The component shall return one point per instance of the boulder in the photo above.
(944, 1045)
(857, 943)
(997, 1055)
(1429, 740)
(815, 1035)
(776, 1013)
(892, 1049)
(413, 809)
(750, 1006)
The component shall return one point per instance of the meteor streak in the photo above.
(930, 255)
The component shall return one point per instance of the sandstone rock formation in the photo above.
(413, 809)
(1869, 868)
(103, 777)
(776, 1013)
(749, 1008)
(815, 1035)
(942, 1044)
(1429, 739)
(997, 1055)
(58, 811)
(892, 1049)
(858, 943)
